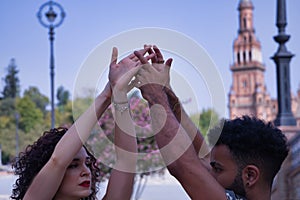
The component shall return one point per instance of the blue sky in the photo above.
(212, 24)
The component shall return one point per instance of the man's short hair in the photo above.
(252, 141)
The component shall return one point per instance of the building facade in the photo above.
(248, 93)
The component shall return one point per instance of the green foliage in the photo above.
(30, 115)
(12, 83)
(8, 143)
(8, 140)
(208, 118)
(62, 96)
(7, 107)
(64, 115)
(40, 100)
(7, 113)
(80, 105)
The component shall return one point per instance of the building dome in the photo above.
(245, 3)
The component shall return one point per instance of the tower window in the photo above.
(238, 58)
(244, 56)
(245, 22)
(250, 55)
(245, 84)
(259, 100)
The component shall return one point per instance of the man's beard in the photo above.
(238, 186)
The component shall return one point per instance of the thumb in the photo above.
(169, 62)
(114, 56)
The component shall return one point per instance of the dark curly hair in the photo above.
(253, 141)
(35, 156)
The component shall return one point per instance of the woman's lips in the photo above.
(85, 184)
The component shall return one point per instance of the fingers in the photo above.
(114, 56)
(169, 62)
(151, 52)
(142, 52)
(141, 57)
(159, 55)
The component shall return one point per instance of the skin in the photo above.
(121, 181)
(224, 168)
(77, 179)
(182, 157)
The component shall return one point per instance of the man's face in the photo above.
(225, 169)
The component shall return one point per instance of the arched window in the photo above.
(250, 55)
(245, 84)
(245, 22)
(238, 58)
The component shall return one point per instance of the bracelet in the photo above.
(122, 106)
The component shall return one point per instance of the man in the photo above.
(247, 155)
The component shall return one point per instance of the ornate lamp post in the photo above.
(49, 18)
(282, 59)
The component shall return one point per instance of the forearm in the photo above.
(121, 180)
(180, 156)
(171, 138)
(80, 131)
(125, 138)
(46, 186)
(198, 140)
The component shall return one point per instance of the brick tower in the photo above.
(248, 93)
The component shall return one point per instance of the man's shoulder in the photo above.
(232, 196)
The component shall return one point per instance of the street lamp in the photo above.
(282, 60)
(49, 18)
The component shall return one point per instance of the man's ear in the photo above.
(250, 175)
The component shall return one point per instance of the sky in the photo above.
(212, 25)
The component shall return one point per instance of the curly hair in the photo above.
(35, 156)
(252, 141)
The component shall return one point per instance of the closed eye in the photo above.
(216, 168)
(72, 166)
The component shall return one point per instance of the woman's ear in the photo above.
(250, 175)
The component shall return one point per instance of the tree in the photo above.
(11, 81)
(40, 100)
(208, 118)
(7, 107)
(62, 96)
(30, 115)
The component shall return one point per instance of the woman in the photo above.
(58, 165)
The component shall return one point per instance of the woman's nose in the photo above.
(85, 171)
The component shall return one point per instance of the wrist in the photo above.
(119, 96)
(158, 98)
(120, 106)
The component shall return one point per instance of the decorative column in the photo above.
(282, 60)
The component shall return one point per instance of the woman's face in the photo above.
(77, 180)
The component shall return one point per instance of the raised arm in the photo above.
(174, 143)
(163, 66)
(47, 181)
(121, 180)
